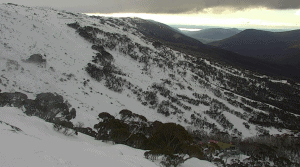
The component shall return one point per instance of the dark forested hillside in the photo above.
(165, 34)
(279, 47)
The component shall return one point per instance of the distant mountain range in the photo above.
(277, 47)
(172, 37)
(165, 33)
(240, 28)
(212, 34)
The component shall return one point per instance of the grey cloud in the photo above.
(180, 6)
(159, 6)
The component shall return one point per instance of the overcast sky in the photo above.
(274, 13)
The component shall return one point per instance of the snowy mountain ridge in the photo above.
(151, 80)
(59, 61)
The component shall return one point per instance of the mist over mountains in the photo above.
(212, 34)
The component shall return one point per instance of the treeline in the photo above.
(170, 142)
(281, 95)
(167, 142)
(281, 150)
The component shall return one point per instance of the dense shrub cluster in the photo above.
(114, 83)
(274, 118)
(166, 108)
(127, 115)
(103, 57)
(189, 100)
(102, 68)
(172, 142)
(220, 118)
(64, 127)
(16, 99)
(281, 150)
(46, 105)
(94, 71)
(151, 98)
(163, 108)
(171, 136)
(162, 89)
(261, 89)
(199, 122)
(264, 150)
(110, 128)
(167, 93)
(165, 139)
(204, 98)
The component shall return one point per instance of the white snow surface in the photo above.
(37, 144)
(25, 31)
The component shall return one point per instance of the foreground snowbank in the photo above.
(30, 141)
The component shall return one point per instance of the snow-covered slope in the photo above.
(186, 89)
(30, 141)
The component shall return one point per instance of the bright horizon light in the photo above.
(251, 18)
(189, 29)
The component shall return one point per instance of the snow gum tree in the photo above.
(170, 135)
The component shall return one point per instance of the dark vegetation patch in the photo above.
(48, 106)
(74, 25)
(12, 4)
(134, 130)
(172, 142)
(284, 96)
(172, 99)
(72, 14)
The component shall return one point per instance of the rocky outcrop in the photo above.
(37, 59)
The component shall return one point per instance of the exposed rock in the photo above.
(37, 59)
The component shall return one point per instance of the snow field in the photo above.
(37, 144)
